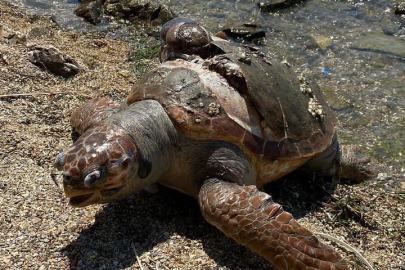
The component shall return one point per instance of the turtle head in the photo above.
(100, 167)
(181, 37)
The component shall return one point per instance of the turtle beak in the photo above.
(85, 199)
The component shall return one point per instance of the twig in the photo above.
(53, 176)
(36, 94)
(165, 267)
(150, 266)
(137, 257)
(347, 246)
(329, 217)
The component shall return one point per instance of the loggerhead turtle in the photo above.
(216, 120)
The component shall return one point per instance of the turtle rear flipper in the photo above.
(354, 164)
(251, 218)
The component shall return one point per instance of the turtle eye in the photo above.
(122, 162)
(92, 178)
(170, 24)
(113, 164)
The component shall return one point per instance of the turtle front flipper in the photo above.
(251, 218)
(91, 113)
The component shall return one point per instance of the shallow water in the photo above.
(353, 48)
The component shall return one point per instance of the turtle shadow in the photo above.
(135, 224)
(300, 193)
(145, 220)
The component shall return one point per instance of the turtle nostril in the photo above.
(67, 178)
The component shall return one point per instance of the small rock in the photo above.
(42, 267)
(52, 60)
(200, 253)
(272, 5)
(323, 42)
(36, 220)
(39, 32)
(90, 10)
(382, 176)
(245, 59)
(136, 11)
(16, 38)
(246, 31)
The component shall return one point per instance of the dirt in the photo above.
(39, 230)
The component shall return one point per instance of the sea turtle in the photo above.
(216, 120)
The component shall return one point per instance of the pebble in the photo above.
(323, 42)
(200, 253)
(383, 177)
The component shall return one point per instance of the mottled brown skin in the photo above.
(183, 37)
(215, 121)
(92, 114)
(117, 156)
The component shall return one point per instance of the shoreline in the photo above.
(41, 231)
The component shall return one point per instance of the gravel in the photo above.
(39, 230)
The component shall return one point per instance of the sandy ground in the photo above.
(39, 230)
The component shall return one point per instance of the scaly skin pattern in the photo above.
(252, 219)
(92, 113)
(102, 146)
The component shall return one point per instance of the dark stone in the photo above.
(136, 11)
(16, 38)
(90, 10)
(399, 8)
(52, 60)
(246, 31)
(40, 32)
(271, 5)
